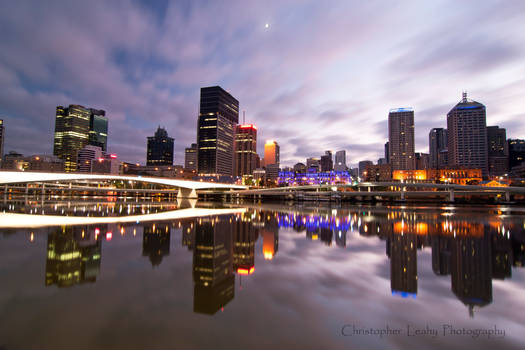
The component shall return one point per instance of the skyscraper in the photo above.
(98, 128)
(271, 153)
(437, 142)
(190, 157)
(327, 163)
(467, 135)
(516, 152)
(218, 115)
(387, 155)
(160, 148)
(71, 134)
(401, 138)
(245, 149)
(498, 151)
(2, 136)
(340, 161)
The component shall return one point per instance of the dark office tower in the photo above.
(160, 148)
(502, 255)
(387, 154)
(2, 137)
(98, 128)
(467, 135)
(437, 142)
(156, 242)
(401, 138)
(218, 115)
(498, 151)
(71, 134)
(245, 149)
(327, 162)
(422, 161)
(441, 247)
(516, 152)
(213, 278)
(471, 269)
(190, 157)
(244, 237)
(403, 263)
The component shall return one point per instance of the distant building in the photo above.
(437, 143)
(259, 177)
(498, 151)
(86, 155)
(422, 160)
(160, 148)
(327, 163)
(98, 129)
(108, 164)
(300, 168)
(218, 116)
(291, 178)
(2, 137)
(387, 154)
(516, 152)
(38, 162)
(362, 167)
(14, 161)
(340, 161)
(156, 242)
(245, 149)
(378, 173)
(382, 161)
(467, 135)
(313, 165)
(453, 176)
(271, 153)
(190, 157)
(401, 138)
(272, 172)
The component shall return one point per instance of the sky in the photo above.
(321, 76)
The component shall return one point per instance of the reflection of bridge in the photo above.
(187, 189)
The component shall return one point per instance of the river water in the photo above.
(153, 275)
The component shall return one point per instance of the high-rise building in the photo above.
(401, 138)
(437, 142)
(327, 163)
(313, 165)
(340, 161)
(218, 115)
(498, 151)
(160, 148)
(75, 127)
(2, 137)
(516, 152)
(190, 157)
(467, 135)
(271, 153)
(98, 129)
(86, 155)
(299, 168)
(362, 167)
(71, 134)
(422, 161)
(245, 149)
(387, 155)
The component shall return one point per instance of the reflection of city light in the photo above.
(268, 256)
(243, 271)
(32, 237)
(109, 236)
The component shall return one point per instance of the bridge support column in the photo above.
(403, 194)
(451, 195)
(507, 196)
(187, 193)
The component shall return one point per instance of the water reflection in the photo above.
(472, 249)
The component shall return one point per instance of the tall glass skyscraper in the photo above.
(401, 138)
(71, 134)
(245, 149)
(437, 143)
(218, 116)
(98, 129)
(160, 148)
(467, 135)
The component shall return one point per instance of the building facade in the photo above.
(401, 138)
(422, 160)
(327, 162)
(340, 161)
(245, 149)
(2, 137)
(516, 152)
(467, 135)
(271, 153)
(437, 142)
(98, 128)
(160, 148)
(86, 155)
(498, 151)
(190, 157)
(218, 116)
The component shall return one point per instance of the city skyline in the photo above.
(149, 72)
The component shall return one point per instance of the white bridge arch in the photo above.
(187, 188)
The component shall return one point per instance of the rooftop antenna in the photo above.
(464, 96)
(244, 117)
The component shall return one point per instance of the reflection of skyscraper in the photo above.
(188, 234)
(73, 256)
(270, 235)
(403, 263)
(156, 242)
(214, 281)
(441, 254)
(471, 270)
(501, 256)
(244, 237)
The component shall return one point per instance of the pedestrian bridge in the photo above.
(187, 188)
